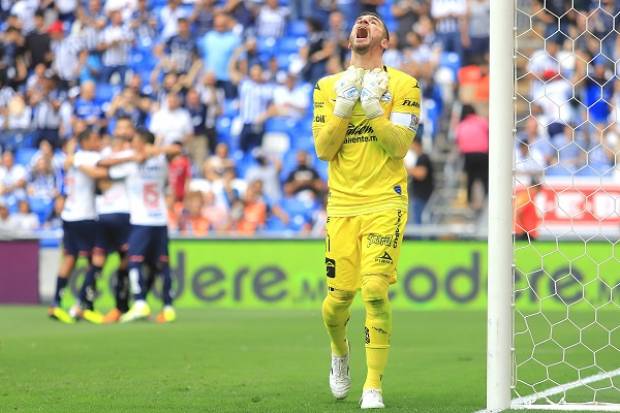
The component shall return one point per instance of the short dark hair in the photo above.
(373, 14)
(84, 135)
(146, 136)
(467, 110)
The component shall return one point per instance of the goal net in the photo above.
(566, 198)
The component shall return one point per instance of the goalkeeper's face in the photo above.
(368, 33)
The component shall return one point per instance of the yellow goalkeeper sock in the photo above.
(378, 328)
(336, 313)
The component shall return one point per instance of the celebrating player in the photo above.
(364, 121)
(113, 218)
(148, 238)
(78, 218)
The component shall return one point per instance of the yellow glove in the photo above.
(348, 89)
(374, 85)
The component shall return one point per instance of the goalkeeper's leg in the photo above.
(378, 327)
(336, 313)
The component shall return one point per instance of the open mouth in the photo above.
(361, 32)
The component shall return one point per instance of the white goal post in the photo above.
(571, 359)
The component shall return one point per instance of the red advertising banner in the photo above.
(583, 206)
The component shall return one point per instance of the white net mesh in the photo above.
(567, 205)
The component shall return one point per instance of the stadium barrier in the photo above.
(432, 274)
(19, 269)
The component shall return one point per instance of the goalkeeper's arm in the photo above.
(393, 138)
(396, 133)
(331, 121)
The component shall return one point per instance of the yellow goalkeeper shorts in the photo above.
(363, 245)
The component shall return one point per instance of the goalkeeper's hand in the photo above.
(348, 89)
(374, 85)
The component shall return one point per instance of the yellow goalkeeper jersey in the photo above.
(363, 176)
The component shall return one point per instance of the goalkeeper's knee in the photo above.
(336, 307)
(378, 311)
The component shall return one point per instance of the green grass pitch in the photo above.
(232, 361)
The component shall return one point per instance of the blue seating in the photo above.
(23, 155)
(297, 28)
(279, 124)
(290, 45)
(41, 207)
(451, 61)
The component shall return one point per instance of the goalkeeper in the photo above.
(364, 121)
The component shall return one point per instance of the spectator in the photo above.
(407, 13)
(202, 16)
(316, 53)
(38, 43)
(12, 179)
(25, 11)
(192, 221)
(172, 123)
(144, 25)
(216, 213)
(213, 98)
(47, 106)
(475, 29)
(86, 108)
(169, 18)
(16, 115)
(128, 104)
(290, 100)
(393, 56)
(536, 140)
(13, 62)
(338, 34)
(599, 90)
(245, 56)
(218, 163)
(116, 40)
(180, 49)
(448, 15)
(42, 181)
(304, 182)
(179, 174)
(271, 19)
(54, 220)
(66, 50)
(529, 163)
(421, 180)
(217, 47)
(254, 98)
(267, 171)
(46, 151)
(90, 66)
(472, 139)
(256, 210)
(239, 12)
(198, 114)
(23, 220)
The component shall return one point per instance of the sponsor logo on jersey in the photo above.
(366, 335)
(318, 104)
(379, 239)
(319, 118)
(384, 259)
(398, 190)
(361, 129)
(410, 103)
(399, 218)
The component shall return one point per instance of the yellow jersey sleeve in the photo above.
(366, 170)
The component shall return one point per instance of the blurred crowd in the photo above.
(232, 80)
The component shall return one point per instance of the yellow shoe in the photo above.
(61, 315)
(113, 316)
(167, 315)
(139, 310)
(92, 316)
